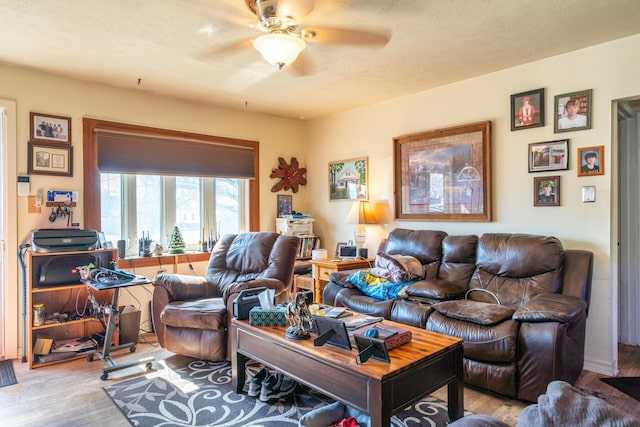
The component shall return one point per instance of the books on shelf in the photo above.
(306, 245)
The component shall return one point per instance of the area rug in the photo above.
(7, 376)
(627, 385)
(200, 394)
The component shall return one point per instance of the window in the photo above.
(138, 178)
(202, 208)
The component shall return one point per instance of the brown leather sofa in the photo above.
(519, 301)
(191, 314)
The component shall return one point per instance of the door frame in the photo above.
(9, 282)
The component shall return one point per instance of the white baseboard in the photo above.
(603, 367)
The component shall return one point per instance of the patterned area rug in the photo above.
(7, 376)
(199, 394)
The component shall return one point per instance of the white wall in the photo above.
(609, 69)
(44, 93)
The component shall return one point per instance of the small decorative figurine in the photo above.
(298, 316)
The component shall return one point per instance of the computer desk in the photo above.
(108, 347)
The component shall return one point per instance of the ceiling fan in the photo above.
(284, 41)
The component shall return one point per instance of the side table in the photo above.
(321, 269)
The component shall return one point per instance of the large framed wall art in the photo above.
(444, 174)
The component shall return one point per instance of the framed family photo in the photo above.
(50, 129)
(591, 161)
(284, 205)
(348, 180)
(444, 175)
(549, 156)
(527, 109)
(546, 191)
(50, 159)
(572, 111)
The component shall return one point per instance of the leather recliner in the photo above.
(191, 314)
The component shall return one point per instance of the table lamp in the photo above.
(365, 216)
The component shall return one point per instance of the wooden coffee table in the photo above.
(380, 389)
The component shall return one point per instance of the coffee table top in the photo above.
(424, 345)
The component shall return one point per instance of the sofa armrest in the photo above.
(551, 307)
(340, 278)
(183, 287)
(436, 289)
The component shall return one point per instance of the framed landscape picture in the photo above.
(444, 175)
(549, 156)
(348, 179)
(527, 109)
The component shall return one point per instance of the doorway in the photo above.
(9, 302)
(628, 131)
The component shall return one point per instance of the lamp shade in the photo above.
(279, 48)
(365, 213)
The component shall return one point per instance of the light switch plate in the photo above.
(588, 194)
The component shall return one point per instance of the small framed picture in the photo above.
(102, 239)
(549, 156)
(284, 205)
(50, 129)
(546, 191)
(527, 109)
(591, 161)
(572, 111)
(50, 159)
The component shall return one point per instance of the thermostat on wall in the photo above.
(588, 194)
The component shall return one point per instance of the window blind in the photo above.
(121, 152)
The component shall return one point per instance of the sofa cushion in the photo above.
(551, 308)
(495, 344)
(198, 314)
(476, 312)
(354, 300)
(397, 268)
(436, 289)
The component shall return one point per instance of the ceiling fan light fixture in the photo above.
(279, 49)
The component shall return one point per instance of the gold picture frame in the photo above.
(349, 179)
(444, 174)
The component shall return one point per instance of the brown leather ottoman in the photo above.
(196, 328)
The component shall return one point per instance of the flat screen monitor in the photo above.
(331, 331)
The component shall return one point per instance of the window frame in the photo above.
(91, 175)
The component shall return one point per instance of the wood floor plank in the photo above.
(71, 393)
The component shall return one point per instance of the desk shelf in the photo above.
(62, 299)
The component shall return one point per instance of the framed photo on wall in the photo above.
(50, 129)
(348, 179)
(572, 111)
(444, 174)
(549, 156)
(50, 159)
(284, 205)
(591, 161)
(527, 109)
(546, 191)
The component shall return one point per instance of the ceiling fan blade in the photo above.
(227, 49)
(302, 66)
(332, 35)
(218, 10)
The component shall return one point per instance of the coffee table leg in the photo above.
(238, 372)
(455, 390)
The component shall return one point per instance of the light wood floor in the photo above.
(71, 394)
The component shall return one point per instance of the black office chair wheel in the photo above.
(132, 349)
(90, 357)
(104, 376)
(148, 365)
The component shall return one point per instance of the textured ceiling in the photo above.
(199, 49)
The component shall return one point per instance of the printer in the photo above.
(64, 240)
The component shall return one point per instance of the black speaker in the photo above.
(362, 253)
(122, 249)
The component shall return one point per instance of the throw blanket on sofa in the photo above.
(397, 268)
(377, 287)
